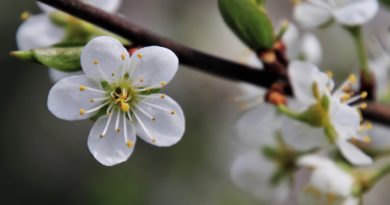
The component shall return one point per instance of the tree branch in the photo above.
(188, 56)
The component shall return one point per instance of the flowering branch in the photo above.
(188, 56)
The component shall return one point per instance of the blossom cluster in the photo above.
(320, 130)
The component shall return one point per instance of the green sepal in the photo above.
(249, 21)
(61, 58)
(79, 31)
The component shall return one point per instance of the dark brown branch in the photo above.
(188, 56)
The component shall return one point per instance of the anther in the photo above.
(95, 62)
(153, 119)
(112, 74)
(173, 112)
(123, 56)
(83, 87)
(82, 112)
(125, 107)
(163, 83)
(345, 97)
(25, 15)
(129, 144)
(154, 141)
(118, 130)
(352, 79)
(363, 94)
(141, 80)
(363, 106)
(92, 100)
(101, 136)
(162, 96)
(367, 139)
(139, 56)
(329, 74)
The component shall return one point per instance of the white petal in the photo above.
(314, 161)
(160, 121)
(65, 98)
(332, 179)
(56, 75)
(353, 154)
(301, 136)
(251, 172)
(351, 201)
(153, 66)
(37, 32)
(291, 36)
(112, 148)
(311, 48)
(356, 12)
(104, 58)
(107, 5)
(345, 119)
(257, 126)
(302, 76)
(310, 16)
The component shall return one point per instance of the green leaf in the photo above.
(249, 21)
(61, 58)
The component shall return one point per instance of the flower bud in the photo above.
(249, 21)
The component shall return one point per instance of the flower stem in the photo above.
(284, 110)
(357, 34)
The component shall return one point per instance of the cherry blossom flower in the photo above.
(316, 13)
(328, 184)
(38, 31)
(328, 109)
(122, 88)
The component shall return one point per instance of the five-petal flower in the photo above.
(331, 110)
(123, 89)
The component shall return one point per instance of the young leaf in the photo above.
(249, 21)
(60, 58)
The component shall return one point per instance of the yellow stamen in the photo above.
(363, 94)
(173, 112)
(25, 15)
(82, 88)
(163, 83)
(129, 144)
(123, 56)
(139, 56)
(345, 97)
(363, 106)
(162, 96)
(352, 79)
(125, 107)
(367, 139)
(329, 74)
(82, 112)
(95, 62)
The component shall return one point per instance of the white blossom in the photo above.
(119, 86)
(340, 119)
(38, 31)
(315, 13)
(328, 184)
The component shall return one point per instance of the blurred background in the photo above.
(45, 160)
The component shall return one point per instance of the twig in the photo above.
(188, 56)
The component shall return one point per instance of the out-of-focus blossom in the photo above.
(38, 31)
(122, 89)
(304, 47)
(316, 13)
(252, 172)
(331, 110)
(329, 184)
